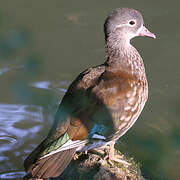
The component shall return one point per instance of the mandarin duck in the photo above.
(101, 104)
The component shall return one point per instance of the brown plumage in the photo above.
(53, 165)
(101, 104)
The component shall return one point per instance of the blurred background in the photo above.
(44, 45)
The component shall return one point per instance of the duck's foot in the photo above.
(112, 157)
(77, 155)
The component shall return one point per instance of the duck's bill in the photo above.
(145, 32)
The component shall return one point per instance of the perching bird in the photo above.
(101, 104)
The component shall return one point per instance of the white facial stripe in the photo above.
(121, 25)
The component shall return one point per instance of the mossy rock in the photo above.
(93, 166)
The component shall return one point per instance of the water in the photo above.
(43, 47)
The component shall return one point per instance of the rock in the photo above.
(93, 166)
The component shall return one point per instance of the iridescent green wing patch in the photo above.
(57, 143)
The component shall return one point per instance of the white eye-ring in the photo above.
(132, 22)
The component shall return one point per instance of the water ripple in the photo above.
(51, 86)
(12, 175)
(19, 123)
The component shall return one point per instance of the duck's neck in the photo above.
(123, 56)
(116, 45)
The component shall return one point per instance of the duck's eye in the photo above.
(132, 22)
